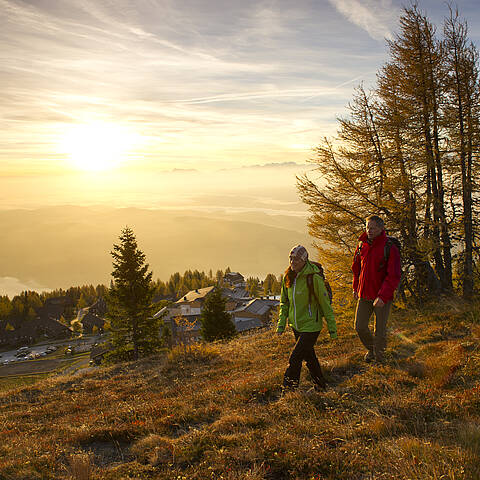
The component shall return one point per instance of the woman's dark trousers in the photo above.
(303, 350)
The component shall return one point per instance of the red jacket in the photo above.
(370, 280)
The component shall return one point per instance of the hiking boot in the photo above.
(379, 357)
(320, 387)
(369, 356)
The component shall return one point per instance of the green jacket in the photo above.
(295, 308)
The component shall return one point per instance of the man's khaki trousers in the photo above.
(374, 343)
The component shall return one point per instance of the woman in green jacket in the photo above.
(304, 311)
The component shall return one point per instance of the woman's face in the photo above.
(296, 262)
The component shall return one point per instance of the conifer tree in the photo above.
(269, 284)
(5, 307)
(216, 322)
(409, 152)
(463, 115)
(253, 286)
(219, 277)
(418, 56)
(134, 332)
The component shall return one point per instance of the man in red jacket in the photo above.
(375, 279)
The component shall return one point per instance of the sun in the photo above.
(97, 146)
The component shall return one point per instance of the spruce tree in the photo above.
(134, 333)
(216, 322)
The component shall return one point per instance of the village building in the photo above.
(99, 308)
(192, 302)
(238, 294)
(92, 322)
(56, 307)
(183, 316)
(234, 279)
(46, 324)
(255, 314)
(30, 331)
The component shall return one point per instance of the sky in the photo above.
(155, 85)
(181, 103)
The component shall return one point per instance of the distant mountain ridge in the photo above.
(70, 245)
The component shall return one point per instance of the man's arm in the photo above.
(392, 279)
(356, 267)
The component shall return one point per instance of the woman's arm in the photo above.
(284, 307)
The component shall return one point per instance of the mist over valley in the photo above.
(65, 246)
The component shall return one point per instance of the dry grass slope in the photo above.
(217, 413)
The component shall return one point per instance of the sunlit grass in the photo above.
(9, 383)
(216, 411)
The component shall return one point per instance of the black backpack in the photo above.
(311, 290)
(388, 245)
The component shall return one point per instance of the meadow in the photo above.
(215, 411)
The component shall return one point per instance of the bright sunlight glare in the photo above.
(97, 146)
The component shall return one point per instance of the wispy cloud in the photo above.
(228, 97)
(376, 17)
(235, 79)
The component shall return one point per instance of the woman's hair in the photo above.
(289, 276)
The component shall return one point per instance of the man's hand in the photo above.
(378, 302)
(355, 295)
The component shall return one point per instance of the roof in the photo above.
(273, 302)
(236, 293)
(161, 312)
(198, 294)
(92, 319)
(233, 276)
(256, 306)
(244, 324)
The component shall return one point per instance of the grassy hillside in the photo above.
(217, 413)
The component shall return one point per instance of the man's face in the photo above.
(373, 229)
(296, 262)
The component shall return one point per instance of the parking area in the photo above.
(43, 357)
